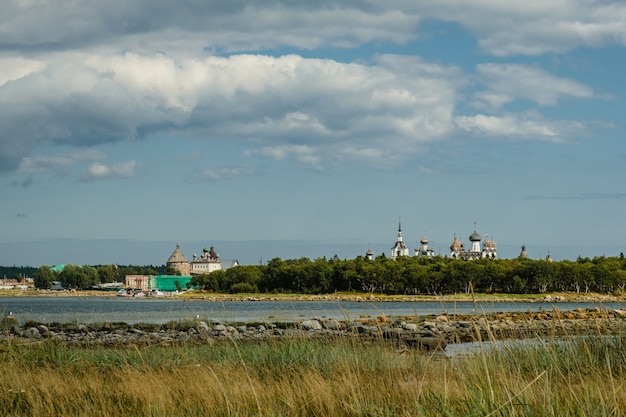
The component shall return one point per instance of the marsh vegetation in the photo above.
(321, 377)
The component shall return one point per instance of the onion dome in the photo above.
(177, 256)
(424, 240)
(456, 245)
(475, 237)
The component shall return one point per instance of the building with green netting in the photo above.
(166, 283)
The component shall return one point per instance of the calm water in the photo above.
(119, 309)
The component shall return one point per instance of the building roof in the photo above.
(177, 256)
(456, 244)
(475, 237)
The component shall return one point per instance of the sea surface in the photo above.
(161, 310)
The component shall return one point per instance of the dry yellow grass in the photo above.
(341, 377)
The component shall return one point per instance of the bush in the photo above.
(243, 287)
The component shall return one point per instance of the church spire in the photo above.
(399, 248)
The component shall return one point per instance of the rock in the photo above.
(427, 343)
(392, 333)
(446, 328)
(203, 326)
(32, 333)
(383, 319)
(335, 325)
(219, 328)
(311, 325)
(412, 327)
(443, 319)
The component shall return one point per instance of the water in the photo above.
(120, 309)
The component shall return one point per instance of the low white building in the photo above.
(208, 262)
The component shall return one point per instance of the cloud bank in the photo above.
(82, 74)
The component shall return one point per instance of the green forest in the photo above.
(404, 275)
(411, 275)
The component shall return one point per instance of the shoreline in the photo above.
(199, 295)
(432, 332)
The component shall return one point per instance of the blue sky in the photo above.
(291, 129)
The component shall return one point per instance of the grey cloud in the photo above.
(396, 104)
(89, 72)
(502, 28)
(225, 25)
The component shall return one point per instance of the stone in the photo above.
(32, 333)
(392, 333)
(412, 327)
(203, 325)
(311, 325)
(383, 319)
(427, 343)
(335, 325)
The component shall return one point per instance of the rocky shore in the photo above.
(433, 332)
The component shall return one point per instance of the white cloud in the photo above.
(98, 170)
(534, 27)
(58, 164)
(88, 72)
(14, 68)
(528, 125)
(508, 82)
(221, 173)
(396, 102)
(302, 153)
(503, 28)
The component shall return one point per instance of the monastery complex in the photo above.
(457, 250)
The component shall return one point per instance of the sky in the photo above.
(308, 129)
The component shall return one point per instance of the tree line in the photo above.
(84, 277)
(404, 275)
(411, 275)
(17, 272)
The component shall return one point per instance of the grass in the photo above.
(578, 376)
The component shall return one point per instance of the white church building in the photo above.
(457, 250)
